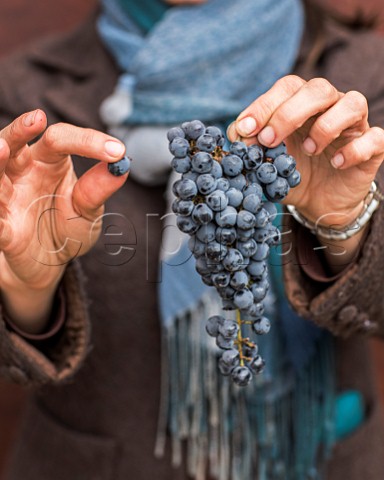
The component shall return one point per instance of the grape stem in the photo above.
(240, 339)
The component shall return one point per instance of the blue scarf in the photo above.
(209, 62)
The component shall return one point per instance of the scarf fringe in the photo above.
(272, 430)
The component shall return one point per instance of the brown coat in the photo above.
(100, 424)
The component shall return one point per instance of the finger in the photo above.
(369, 146)
(6, 234)
(257, 115)
(21, 131)
(94, 188)
(6, 190)
(351, 111)
(316, 96)
(4, 156)
(61, 140)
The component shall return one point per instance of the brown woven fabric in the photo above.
(100, 424)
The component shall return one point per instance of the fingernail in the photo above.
(267, 136)
(309, 145)
(114, 149)
(338, 160)
(29, 119)
(246, 126)
(120, 168)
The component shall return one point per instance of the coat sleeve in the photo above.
(23, 362)
(354, 303)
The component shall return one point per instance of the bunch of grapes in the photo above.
(224, 201)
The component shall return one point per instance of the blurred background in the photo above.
(22, 22)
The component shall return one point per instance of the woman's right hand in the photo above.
(47, 215)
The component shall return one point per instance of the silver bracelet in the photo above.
(371, 202)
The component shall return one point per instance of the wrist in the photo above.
(29, 306)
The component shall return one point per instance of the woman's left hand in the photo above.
(338, 154)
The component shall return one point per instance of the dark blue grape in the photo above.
(294, 179)
(229, 329)
(217, 134)
(256, 269)
(202, 162)
(234, 196)
(285, 164)
(238, 182)
(252, 203)
(239, 149)
(186, 189)
(179, 147)
(272, 153)
(202, 214)
(183, 207)
(226, 236)
(226, 218)
(206, 183)
(196, 247)
(277, 190)
(232, 165)
(266, 173)
(247, 248)
(257, 365)
(224, 343)
(206, 143)
(175, 132)
(216, 251)
(233, 261)
(239, 280)
(221, 279)
(261, 326)
(231, 358)
(213, 324)
(241, 376)
(181, 165)
(187, 225)
(217, 201)
(206, 233)
(243, 299)
(194, 129)
(222, 184)
(216, 170)
(245, 220)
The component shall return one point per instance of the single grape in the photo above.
(226, 218)
(179, 147)
(241, 376)
(233, 261)
(232, 165)
(181, 165)
(187, 225)
(217, 134)
(294, 179)
(239, 280)
(272, 153)
(285, 165)
(202, 162)
(194, 129)
(175, 132)
(206, 184)
(266, 173)
(217, 201)
(234, 196)
(277, 190)
(239, 149)
(213, 324)
(202, 214)
(243, 299)
(261, 326)
(206, 143)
